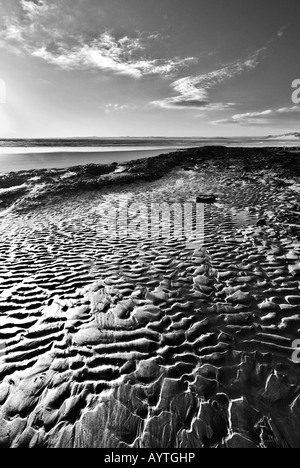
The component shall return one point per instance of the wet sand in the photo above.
(142, 341)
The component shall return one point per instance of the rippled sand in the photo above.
(145, 342)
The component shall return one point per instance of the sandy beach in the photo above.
(138, 340)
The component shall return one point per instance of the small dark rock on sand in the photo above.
(261, 222)
(208, 198)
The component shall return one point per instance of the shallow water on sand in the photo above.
(141, 341)
(26, 159)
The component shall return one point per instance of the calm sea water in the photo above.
(23, 159)
(20, 158)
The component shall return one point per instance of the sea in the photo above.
(25, 155)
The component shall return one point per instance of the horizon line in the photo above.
(151, 137)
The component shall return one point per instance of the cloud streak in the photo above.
(259, 118)
(194, 92)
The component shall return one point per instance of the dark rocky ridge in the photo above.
(284, 162)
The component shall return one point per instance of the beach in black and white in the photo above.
(149, 226)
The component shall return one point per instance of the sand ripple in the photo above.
(139, 342)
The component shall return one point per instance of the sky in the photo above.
(175, 68)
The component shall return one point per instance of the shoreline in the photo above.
(36, 158)
(34, 185)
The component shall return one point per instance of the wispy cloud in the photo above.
(259, 118)
(111, 108)
(39, 30)
(34, 8)
(281, 31)
(123, 56)
(194, 91)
